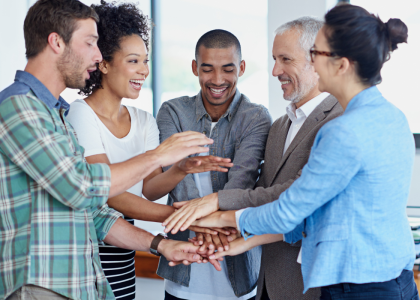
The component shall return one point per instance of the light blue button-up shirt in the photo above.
(351, 198)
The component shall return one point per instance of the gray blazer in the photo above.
(279, 271)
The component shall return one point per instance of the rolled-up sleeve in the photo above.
(29, 138)
(104, 218)
(333, 162)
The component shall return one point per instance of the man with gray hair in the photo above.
(287, 151)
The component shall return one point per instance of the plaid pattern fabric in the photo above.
(53, 206)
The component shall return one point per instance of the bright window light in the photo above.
(400, 75)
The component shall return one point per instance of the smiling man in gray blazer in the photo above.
(287, 151)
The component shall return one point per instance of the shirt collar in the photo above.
(201, 110)
(40, 91)
(306, 109)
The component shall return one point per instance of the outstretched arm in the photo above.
(189, 211)
(334, 160)
(159, 183)
(239, 246)
(126, 174)
(124, 235)
(139, 208)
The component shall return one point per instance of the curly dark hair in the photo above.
(116, 21)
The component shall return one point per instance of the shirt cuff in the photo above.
(295, 235)
(100, 184)
(240, 220)
(238, 214)
(104, 218)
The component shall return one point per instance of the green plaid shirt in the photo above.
(53, 206)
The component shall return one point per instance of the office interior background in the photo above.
(178, 24)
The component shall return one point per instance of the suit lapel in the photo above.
(311, 121)
(278, 143)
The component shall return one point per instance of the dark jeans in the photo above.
(170, 297)
(402, 288)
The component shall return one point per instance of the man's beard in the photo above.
(305, 84)
(70, 68)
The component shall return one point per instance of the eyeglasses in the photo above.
(314, 53)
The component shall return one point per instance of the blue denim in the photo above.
(240, 134)
(400, 288)
(353, 189)
(24, 82)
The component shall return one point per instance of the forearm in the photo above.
(126, 174)
(258, 240)
(124, 235)
(241, 245)
(238, 199)
(218, 219)
(139, 208)
(163, 183)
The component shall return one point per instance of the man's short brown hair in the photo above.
(47, 16)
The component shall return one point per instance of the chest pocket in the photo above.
(228, 150)
(331, 233)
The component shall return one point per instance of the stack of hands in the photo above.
(216, 233)
(211, 245)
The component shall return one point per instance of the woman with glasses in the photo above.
(349, 205)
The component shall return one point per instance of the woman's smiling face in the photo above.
(125, 74)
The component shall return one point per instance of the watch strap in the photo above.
(155, 243)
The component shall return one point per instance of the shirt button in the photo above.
(204, 132)
(304, 234)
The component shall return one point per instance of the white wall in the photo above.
(12, 43)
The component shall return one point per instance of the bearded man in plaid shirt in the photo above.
(53, 206)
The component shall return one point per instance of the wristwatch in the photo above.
(155, 243)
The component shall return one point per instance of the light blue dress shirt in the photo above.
(350, 202)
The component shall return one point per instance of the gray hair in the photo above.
(308, 28)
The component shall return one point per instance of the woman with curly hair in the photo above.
(111, 132)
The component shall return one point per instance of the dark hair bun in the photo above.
(397, 32)
(362, 37)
